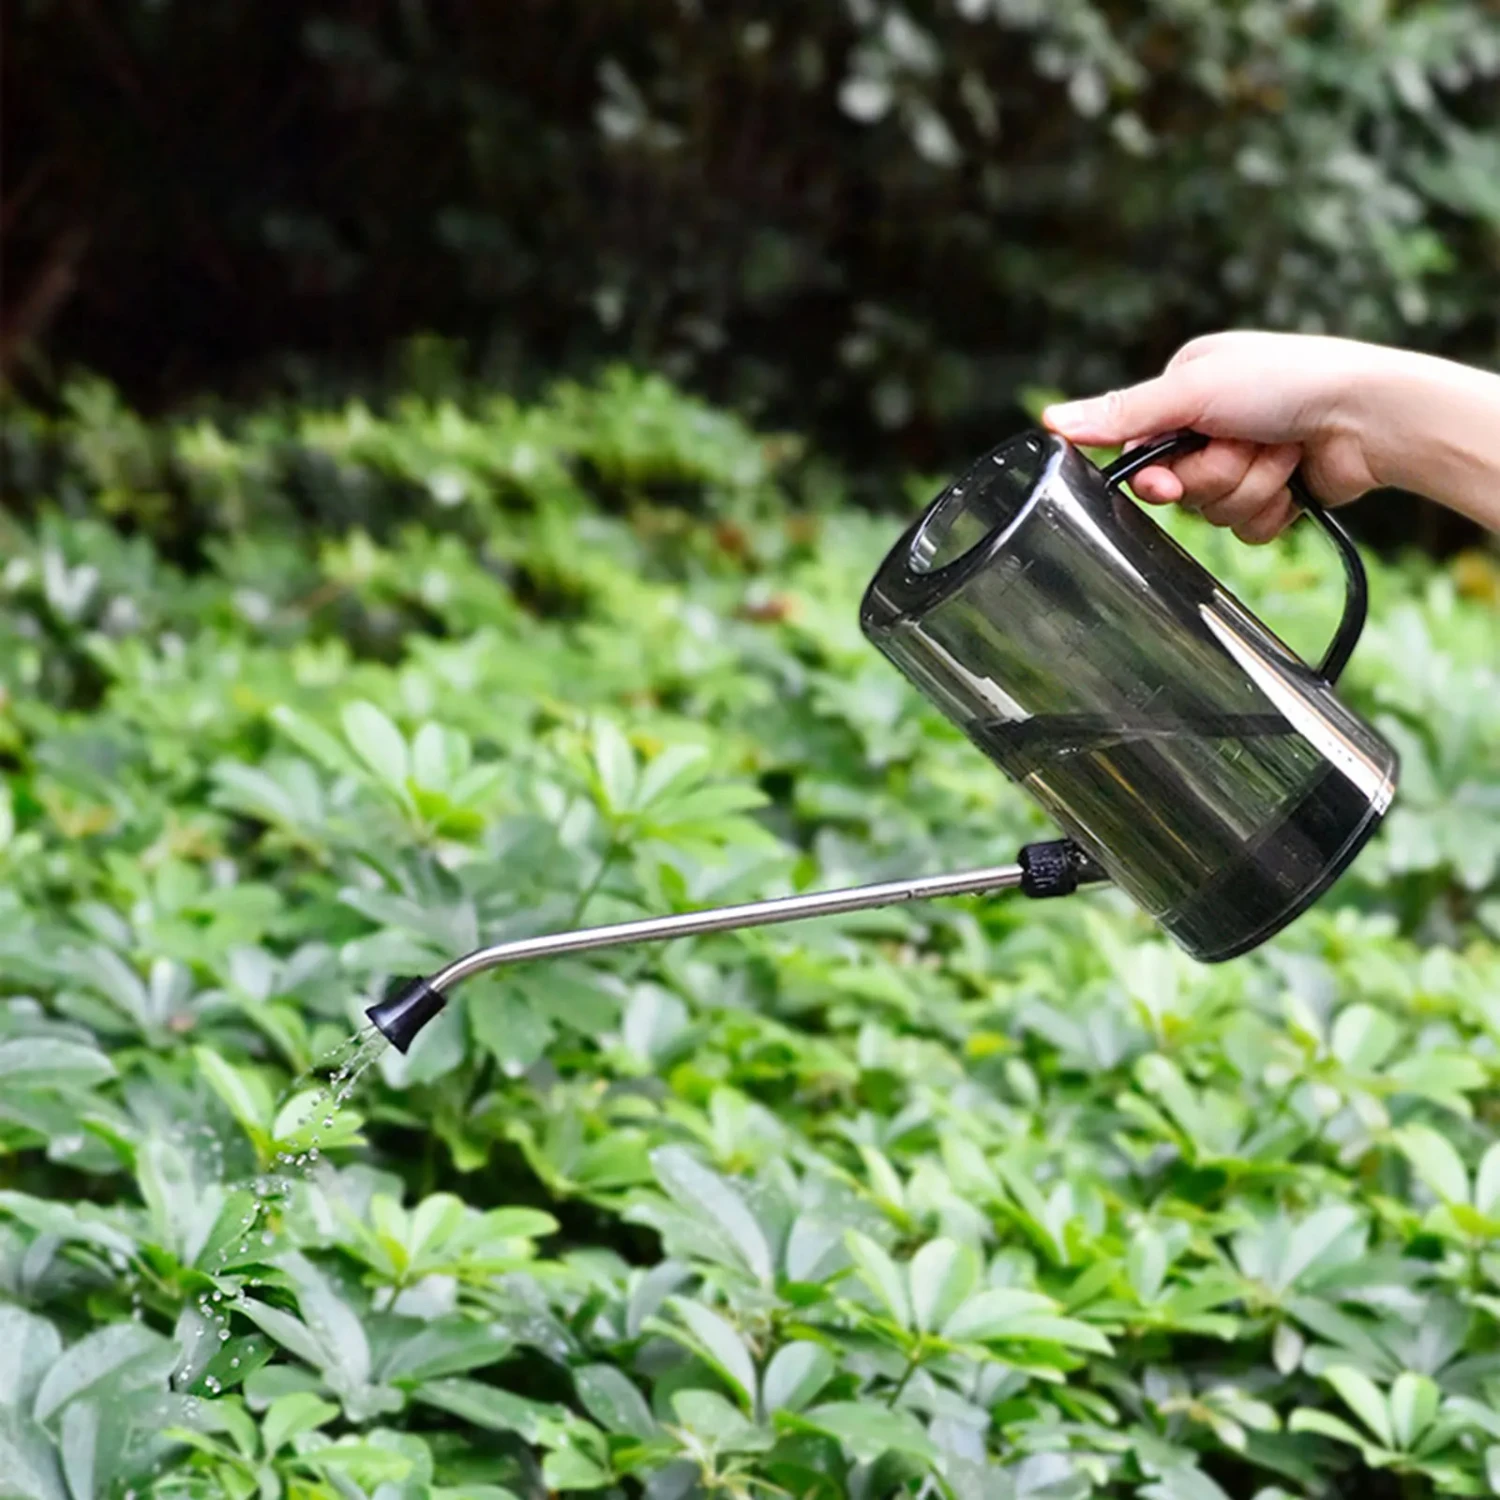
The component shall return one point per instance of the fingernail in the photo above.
(1071, 418)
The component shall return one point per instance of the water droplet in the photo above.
(268, 1238)
(312, 1153)
(223, 1335)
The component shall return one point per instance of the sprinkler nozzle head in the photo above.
(408, 1005)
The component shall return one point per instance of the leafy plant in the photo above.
(971, 1200)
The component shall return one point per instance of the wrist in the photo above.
(1432, 427)
(1377, 412)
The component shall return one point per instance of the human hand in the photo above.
(1270, 402)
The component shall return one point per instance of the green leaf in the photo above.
(378, 743)
(797, 1372)
(613, 1401)
(289, 1416)
(685, 763)
(1146, 1264)
(49, 1062)
(315, 740)
(1363, 1037)
(942, 1275)
(1444, 1077)
(707, 1414)
(299, 1124)
(165, 1175)
(28, 1347)
(489, 1407)
(1186, 1484)
(868, 1431)
(1287, 1348)
(510, 1028)
(121, 1356)
(84, 1224)
(881, 1274)
(1306, 1419)
(291, 1333)
(1363, 1398)
(569, 1469)
(1487, 1183)
(706, 1194)
(615, 767)
(1436, 1161)
(991, 1313)
(1046, 1329)
(1414, 1403)
(720, 1344)
(244, 1093)
(1311, 1239)
(80, 1434)
(335, 1325)
(28, 1461)
(439, 757)
(435, 1220)
(444, 1346)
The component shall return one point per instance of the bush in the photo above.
(873, 220)
(979, 1200)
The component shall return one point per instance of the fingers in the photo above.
(1169, 401)
(1215, 472)
(1270, 522)
(1198, 479)
(1157, 485)
(1261, 485)
(1232, 484)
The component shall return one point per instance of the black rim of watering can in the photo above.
(1356, 582)
(900, 591)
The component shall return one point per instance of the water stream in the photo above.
(270, 1191)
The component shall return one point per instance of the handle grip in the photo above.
(1356, 583)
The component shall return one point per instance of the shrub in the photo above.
(971, 1200)
(871, 217)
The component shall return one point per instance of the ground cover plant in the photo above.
(977, 1200)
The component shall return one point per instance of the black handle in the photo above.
(1357, 586)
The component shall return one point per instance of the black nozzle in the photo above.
(409, 1004)
(1056, 868)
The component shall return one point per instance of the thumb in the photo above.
(1137, 411)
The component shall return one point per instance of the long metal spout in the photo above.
(1050, 869)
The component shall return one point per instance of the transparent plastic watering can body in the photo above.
(1208, 770)
(1188, 754)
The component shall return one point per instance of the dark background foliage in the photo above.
(868, 221)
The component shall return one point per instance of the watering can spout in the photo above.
(407, 1006)
(1056, 868)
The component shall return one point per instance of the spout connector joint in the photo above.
(1056, 867)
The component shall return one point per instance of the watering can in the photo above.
(1188, 755)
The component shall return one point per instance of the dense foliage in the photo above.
(974, 1200)
(870, 219)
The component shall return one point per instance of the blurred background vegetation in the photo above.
(428, 470)
(874, 223)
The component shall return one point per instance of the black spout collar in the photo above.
(408, 1005)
